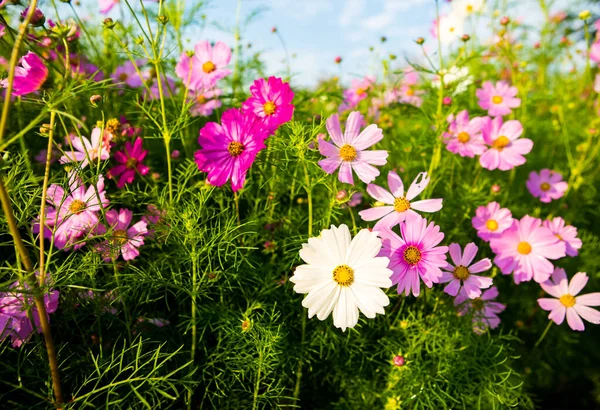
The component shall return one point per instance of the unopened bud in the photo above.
(163, 19)
(108, 23)
(504, 20)
(420, 41)
(399, 361)
(95, 100)
(584, 15)
(465, 37)
(338, 60)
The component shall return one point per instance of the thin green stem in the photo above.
(543, 334)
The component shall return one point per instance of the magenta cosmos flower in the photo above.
(130, 162)
(498, 99)
(205, 102)
(565, 233)
(229, 149)
(124, 239)
(464, 136)
(506, 148)
(107, 5)
(349, 153)
(398, 205)
(484, 310)
(461, 273)
(567, 302)
(14, 306)
(547, 185)
(206, 67)
(85, 151)
(30, 74)
(73, 215)
(524, 249)
(271, 100)
(491, 220)
(414, 254)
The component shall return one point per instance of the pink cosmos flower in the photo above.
(229, 149)
(498, 99)
(524, 249)
(462, 272)
(547, 185)
(130, 162)
(595, 52)
(126, 74)
(349, 153)
(414, 254)
(14, 306)
(565, 233)
(153, 217)
(205, 102)
(567, 302)
(206, 67)
(464, 136)
(506, 148)
(357, 92)
(399, 206)
(30, 74)
(484, 310)
(124, 239)
(87, 152)
(271, 100)
(491, 220)
(73, 215)
(107, 5)
(168, 86)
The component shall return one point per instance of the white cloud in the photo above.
(351, 10)
(391, 9)
(301, 10)
(307, 68)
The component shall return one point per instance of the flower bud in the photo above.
(338, 60)
(108, 23)
(420, 41)
(95, 100)
(37, 19)
(504, 20)
(399, 361)
(584, 15)
(465, 37)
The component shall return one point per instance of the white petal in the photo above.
(318, 297)
(370, 299)
(308, 277)
(364, 247)
(345, 313)
(338, 241)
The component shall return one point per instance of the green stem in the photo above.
(543, 334)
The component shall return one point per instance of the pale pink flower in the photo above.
(567, 303)
(358, 91)
(498, 99)
(484, 310)
(491, 220)
(349, 152)
(524, 249)
(547, 185)
(506, 148)
(461, 273)
(206, 67)
(464, 136)
(399, 206)
(205, 102)
(565, 233)
(87, 152)
(124, 239)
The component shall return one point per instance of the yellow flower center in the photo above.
(469, 8)
(412, 255)
(120, 237)
(477, 304)
(567, 300)
(361, 91)
(560, 238)
(463, 137)
(343, 275)
(348, 152)
(131, 163)
(496, 99)
(123, 76)
(208, 67)
(269, 108)
(113, 126)
(401, 204)
(524, 248)
(461, 272)
(491, 224)
(77, 206)
(500, 142)
(545, 186)
(235, 148)
(410, 92)
(452, 29)
(201, 99)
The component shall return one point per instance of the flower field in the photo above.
(183, 228)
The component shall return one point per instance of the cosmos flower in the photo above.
(270, 100)
(30, 75)
(400, 206)
(547, 185)
(349, 152)
(484, 310)
(450, 28)
(498, 99)
(124, 239)
(459, 77)
(565, 233)
(567, 303)
(229, 149)
(464, 136)
(506, 148)
(358, 91)
(595, 51)
(130, 163)
(468, 7)
(107, 5)
(414, 254)
(87, 152)
(205, 67)
(205, 102)
(461, 273)
(491, 220)
(343, 275)
(14, 306)
(524, 250)
(126, 74)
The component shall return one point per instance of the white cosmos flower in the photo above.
(343, 275)
(451, 28)
(467, 7)
(460, 76)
